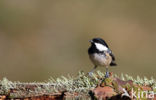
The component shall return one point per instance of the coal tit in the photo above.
(100, 55)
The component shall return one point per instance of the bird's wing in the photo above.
(113, 63)
(113, 57)
(111, 54)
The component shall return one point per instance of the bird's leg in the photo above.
(107, 73)
(91, 72)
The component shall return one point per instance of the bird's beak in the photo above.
(91, 41)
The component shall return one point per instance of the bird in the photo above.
(101, 55)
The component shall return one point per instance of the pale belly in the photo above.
(100, 60)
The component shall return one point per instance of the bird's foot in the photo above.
(107, 74)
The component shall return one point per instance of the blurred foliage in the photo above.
(39, 39)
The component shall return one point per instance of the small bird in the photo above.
(100, 55)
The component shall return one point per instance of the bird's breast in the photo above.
(100, 59)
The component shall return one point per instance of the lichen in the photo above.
(80, 84)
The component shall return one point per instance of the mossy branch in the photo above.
(80, 85)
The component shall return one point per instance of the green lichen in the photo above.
(81, 84)
(6, 86)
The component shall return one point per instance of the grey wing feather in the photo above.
(113, 58)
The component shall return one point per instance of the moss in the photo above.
(81, 84)
(116, 87)
(107, 82)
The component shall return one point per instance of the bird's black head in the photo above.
(98, 40)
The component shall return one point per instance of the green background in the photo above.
(49, 38)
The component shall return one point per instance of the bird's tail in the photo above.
(113, 63)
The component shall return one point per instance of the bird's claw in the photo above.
(107, 75)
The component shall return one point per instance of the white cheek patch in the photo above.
(101, 47)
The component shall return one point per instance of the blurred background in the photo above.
(40, 39)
